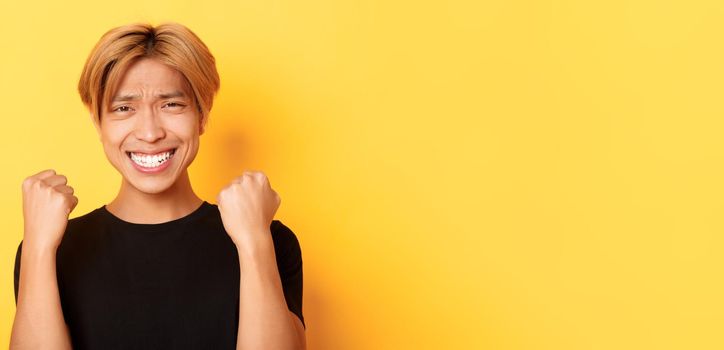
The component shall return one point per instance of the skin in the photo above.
(148, 122)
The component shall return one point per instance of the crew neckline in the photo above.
(172, 224)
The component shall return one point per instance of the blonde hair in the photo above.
(171, 43)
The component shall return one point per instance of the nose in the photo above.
(149, 127)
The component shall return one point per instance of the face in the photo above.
(150, 131)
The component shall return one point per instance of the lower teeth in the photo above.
(151, 165)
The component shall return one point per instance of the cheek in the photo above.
(183, 123)
(186, 129)
(113, 138)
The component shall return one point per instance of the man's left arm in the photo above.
(265, 321)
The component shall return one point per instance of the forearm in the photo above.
(39, 322)
(264, 320)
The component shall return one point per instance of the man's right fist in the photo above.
(47, 203)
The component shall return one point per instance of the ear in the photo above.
(96, 124)
(202, 124)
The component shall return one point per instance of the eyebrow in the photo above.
(131, 97)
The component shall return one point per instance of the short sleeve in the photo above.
(289, 262)
(17, 270)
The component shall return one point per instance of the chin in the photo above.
(149, 183)
(150, 186)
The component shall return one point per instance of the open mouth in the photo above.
(151, 161)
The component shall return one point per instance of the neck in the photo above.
(139, 207)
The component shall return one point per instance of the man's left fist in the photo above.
(247, 206)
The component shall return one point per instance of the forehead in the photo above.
(148, 76)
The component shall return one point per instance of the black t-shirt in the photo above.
(173, 285)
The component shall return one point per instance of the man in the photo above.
(158, 267)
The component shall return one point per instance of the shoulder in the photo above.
(76, 227)
(285, 240)
(283, 237)
(81, 231)
(279, 228)
(282, 231)
(91, 218)
(84, 223)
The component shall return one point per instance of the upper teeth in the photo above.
(150, 160)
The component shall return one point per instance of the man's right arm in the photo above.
(39, 322)
(48, 200)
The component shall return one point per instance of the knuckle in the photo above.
(28, 181)
(38, 185)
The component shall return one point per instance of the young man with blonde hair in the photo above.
(157, 267)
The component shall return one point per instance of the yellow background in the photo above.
(461, 175)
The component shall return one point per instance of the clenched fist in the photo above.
(47, 203)
(247, 206)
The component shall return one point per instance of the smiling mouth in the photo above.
(151, 161)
